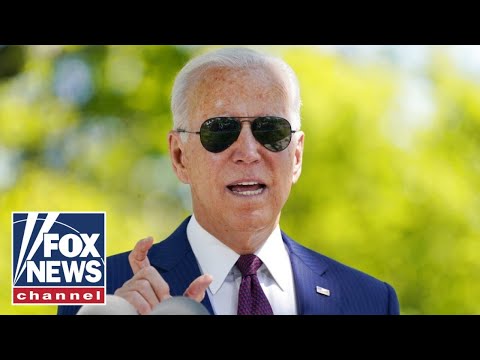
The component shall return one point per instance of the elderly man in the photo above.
(237, 142)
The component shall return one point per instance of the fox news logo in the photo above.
(58, 258)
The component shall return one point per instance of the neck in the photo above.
(243, 240)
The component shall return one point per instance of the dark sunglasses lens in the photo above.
(272, 132)
(217, 134)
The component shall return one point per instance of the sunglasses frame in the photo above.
(236, 118)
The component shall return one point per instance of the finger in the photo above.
(138, 301)
(157, 282)
(197, 288)
(138, 256)
(144, 288)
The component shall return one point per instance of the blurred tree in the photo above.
(12, 58)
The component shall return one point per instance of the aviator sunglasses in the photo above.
(218, 133)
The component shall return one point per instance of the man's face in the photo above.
(244, 187)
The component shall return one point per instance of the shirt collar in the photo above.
(206, 248)
(213, 256)
(274, 255)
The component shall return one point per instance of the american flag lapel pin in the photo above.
(323, 291)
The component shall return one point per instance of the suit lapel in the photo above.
(174, 259)
(310, 273)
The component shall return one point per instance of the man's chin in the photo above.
(248, 219)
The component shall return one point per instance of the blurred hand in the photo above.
(147, 288)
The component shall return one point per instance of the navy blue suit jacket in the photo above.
(351, 291)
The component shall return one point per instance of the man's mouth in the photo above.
(247, 188)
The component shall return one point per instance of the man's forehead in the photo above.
(253, 91)
(232, 75)
(220, 84)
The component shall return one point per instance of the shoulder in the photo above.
(160, 254)
(322, 263)
(358, 287)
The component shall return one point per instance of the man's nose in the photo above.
(246, 146)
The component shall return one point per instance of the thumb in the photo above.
(196, 290)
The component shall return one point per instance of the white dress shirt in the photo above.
(215, 258)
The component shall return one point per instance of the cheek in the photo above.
(283, 170)
(203, 171)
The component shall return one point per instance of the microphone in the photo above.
(115, 305)
(179, 305)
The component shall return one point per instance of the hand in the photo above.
(146, 289)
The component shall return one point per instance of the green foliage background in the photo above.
(398, 201)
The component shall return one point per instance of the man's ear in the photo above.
(298, 156)
(177, 156)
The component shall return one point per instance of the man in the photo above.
(237, 142)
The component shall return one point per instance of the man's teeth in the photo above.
(248, 192)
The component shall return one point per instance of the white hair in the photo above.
(233, 58)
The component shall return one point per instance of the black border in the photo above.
(312, 27)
